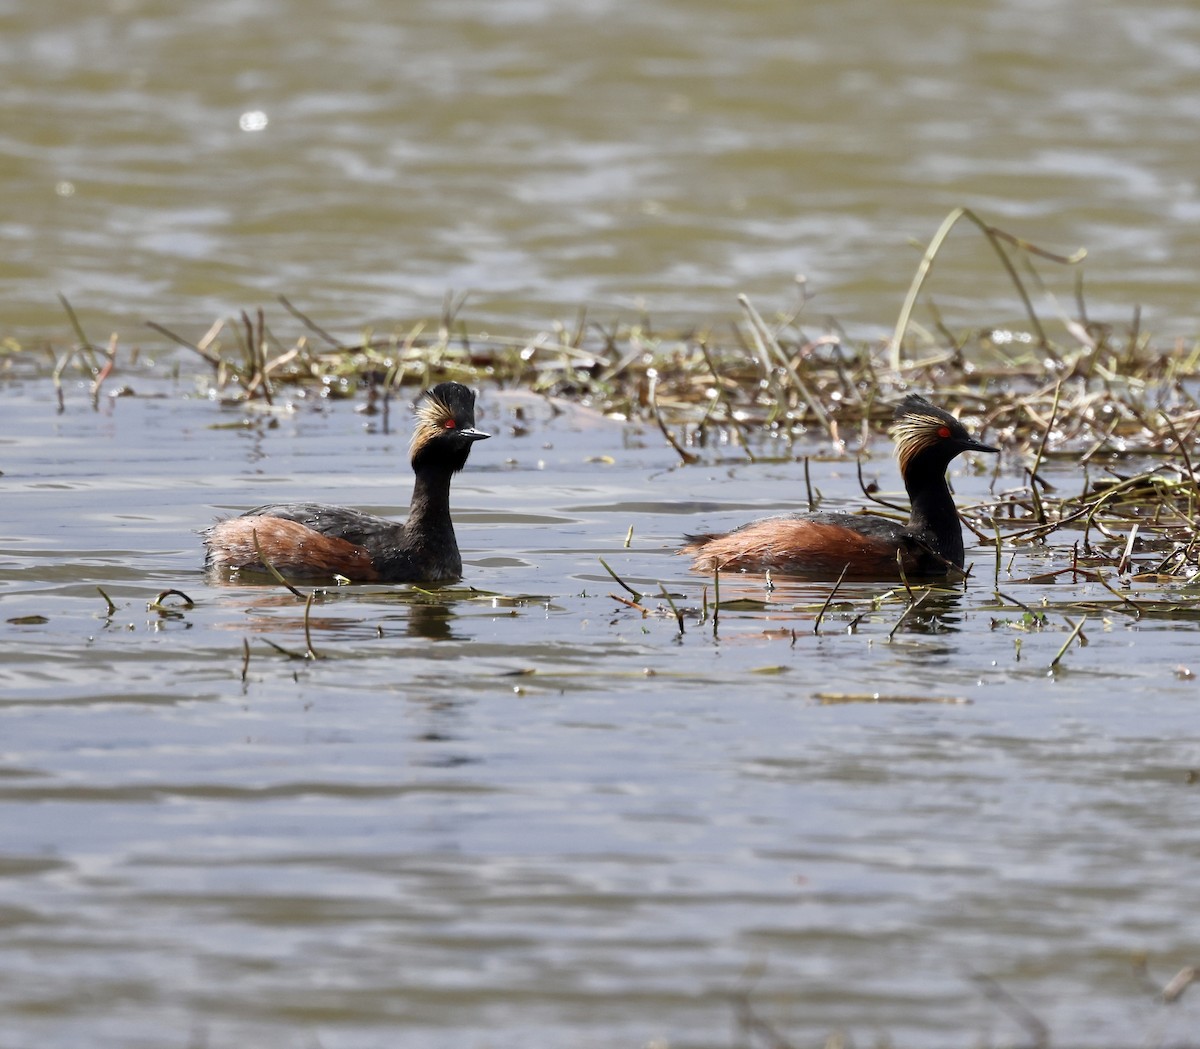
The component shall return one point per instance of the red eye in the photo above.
(448, 424)
(943, 432)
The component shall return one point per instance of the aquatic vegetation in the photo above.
(789, 387)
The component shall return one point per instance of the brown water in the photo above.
(525, 814)
(545, 155)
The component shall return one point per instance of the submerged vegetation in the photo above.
(1067, 387)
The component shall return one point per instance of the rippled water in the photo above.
(179, 162)
(520, 812)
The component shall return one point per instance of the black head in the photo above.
(445, 428)
(924, 432)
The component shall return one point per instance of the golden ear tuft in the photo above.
(918, 429)
(433, 411)
(432, 414)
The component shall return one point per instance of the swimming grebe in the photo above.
(311, 540)
(821, 545)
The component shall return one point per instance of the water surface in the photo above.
(180, 163)
(522, 812)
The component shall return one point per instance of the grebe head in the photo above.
(924, 431)
(445, 427)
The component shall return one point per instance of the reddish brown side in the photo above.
(289, 547)
(801, 548)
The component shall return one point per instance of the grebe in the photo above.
(312, 540)
(822, 545)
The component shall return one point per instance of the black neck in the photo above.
(934, 517)
(429, 512)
